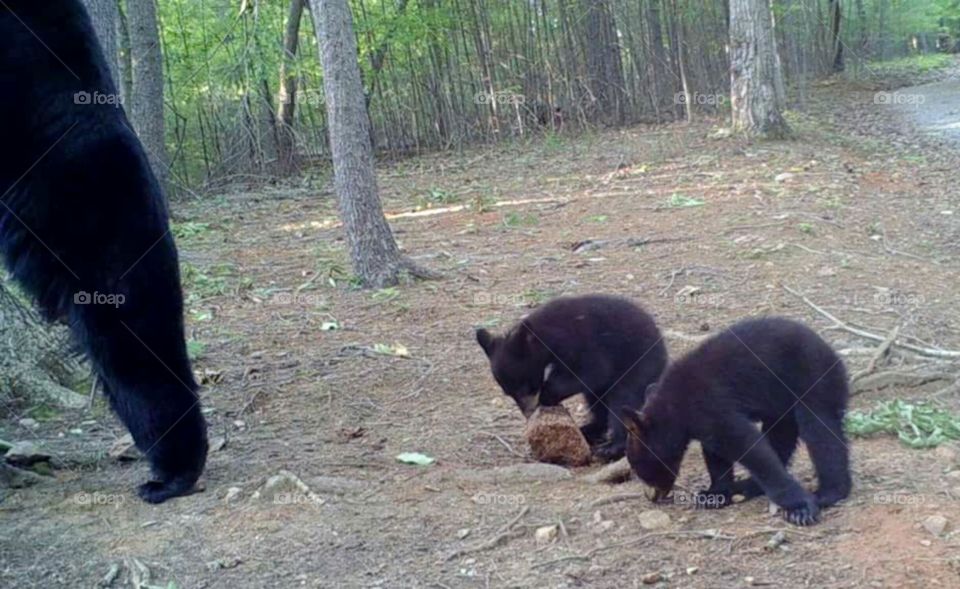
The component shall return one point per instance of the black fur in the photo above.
(773, 371)
(606, 347)
(81, 212)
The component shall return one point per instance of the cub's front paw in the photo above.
(806, 513)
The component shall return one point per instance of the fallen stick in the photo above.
(929, 352)
(709, 534)
(504, 533)
(881, 352)
(892, 378)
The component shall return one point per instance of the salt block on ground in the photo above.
(554, 437)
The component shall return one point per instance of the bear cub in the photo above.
(770, 370)
(605, 347)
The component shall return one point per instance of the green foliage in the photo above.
(917, 425)
(679, 201)
(515, 219)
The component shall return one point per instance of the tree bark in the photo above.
(836, 13)
(756, 82)
(35, 364)
(373, 251)
(287, 95)
(604, 64)
(146, 95)
(105, 16)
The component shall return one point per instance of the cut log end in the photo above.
(555, 438)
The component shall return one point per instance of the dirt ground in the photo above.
(308, 375)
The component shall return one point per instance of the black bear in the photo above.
(83, 228)
(603, 346)
(770, 370)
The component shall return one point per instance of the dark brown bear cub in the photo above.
(773, 371)
(603, 346)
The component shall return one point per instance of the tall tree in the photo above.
(836, 14)
(105, 15)
(287, 95)
(756, 83)
(604, 63)
(146, 94)
(376, 258)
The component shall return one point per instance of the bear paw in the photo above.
(805, 514)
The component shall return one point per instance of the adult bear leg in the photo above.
(141, 358)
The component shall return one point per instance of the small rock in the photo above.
(692, 570)
(781, 178)
(935, 524)
(605, 525)
(231, 494)
(651, 578)
(218, 443)
(124, 449)
(286, 488)
(25, 454)
(926, 543)
(462, 533)
(653, 519)
(775, 541)
(954, 474)
(29, 423)
(546, 534)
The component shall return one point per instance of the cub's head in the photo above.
(517, 362)
(655, 450)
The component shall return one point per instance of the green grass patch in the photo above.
(912, 64)
(514, 219)
(917, 425)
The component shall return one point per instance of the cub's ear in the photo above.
(487, 341)
(635, 421)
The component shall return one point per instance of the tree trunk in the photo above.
(373, 251)
(146, 96)
(287, 95)
(35, 364)
(105, 16)
(836, 13)
(604, 64)
(755, 77)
